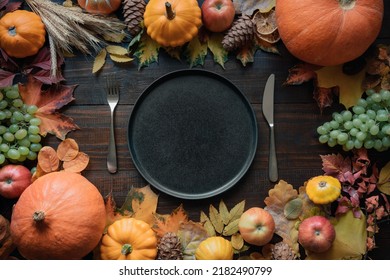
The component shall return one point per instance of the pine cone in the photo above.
(241, 33)
(133, 13)
(282, 251)
(169, 247)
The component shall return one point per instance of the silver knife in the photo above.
(268, 112)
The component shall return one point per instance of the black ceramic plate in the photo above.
(192, 134)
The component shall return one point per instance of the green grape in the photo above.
(357, 144)
(23, 150)
(357, 123)
(374, 130)
(32, 109)
(3, 129)
(24, 142)
(323, 139)
(361, 136)
(370, 123)
(364, 128)
(2, 158)
(334, 133)
(342, 138)
(8, 136)
(35, 121)
(17, 103)
(364, 117)
(20, 134)
(13, 128)
(369, 144)
(35, 147)
(338, 117)
(362, 102)
(34, 138)
(327, 126)
(8, 113)
(370, 92)
(358, 109)
(332, 142)
(13, 153)
(371, 114)
(33, 129)
(12, 94)
(385, 94)
(386, 141)
(386, 129)
(32, 155)
(349, 145)
(27, 117)
(334, 124)
(378, 145)
(322, 130)
(4, 147)
(3, 104)
(376, 97)
(2, 115)
(18, 116)
(348, 125)
(347, 115)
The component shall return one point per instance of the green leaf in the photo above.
(350, 242)
(293, 209)
(214, 43)
(147, 51)
(247, 54)
(196, 52)
(384, 179)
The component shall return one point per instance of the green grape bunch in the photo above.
(19, 127)
(367, 124)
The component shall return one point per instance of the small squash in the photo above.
(323, 189)
(100, 7)
(22, 33)
(61, 216)
(326, 33)
(172, 23)
(129, 239)
(214, 248)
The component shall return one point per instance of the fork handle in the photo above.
(272, 164)
(111, 158)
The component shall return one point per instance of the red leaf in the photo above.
(336, 166)
(48, 102)
(6, 78)
(301, 73)
(324, 96)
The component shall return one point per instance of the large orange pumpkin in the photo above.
(100, 7)
(61, 215)
(325, 32)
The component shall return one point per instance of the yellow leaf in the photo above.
(214, 43)
(114, 37)
(99, 61)
(231, 228)
(120, 58)
(237, 210)
(118, 50)
(196, 52)
(207, 224)
(384, 179)
(171, 223)
(350, 242)
(237, 241)
(224, 212)
(147, 51)
(350, 86)
(216, 219)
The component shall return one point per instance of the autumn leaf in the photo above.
(190, 235)
(336, 165)
(349, 86)
(6, 78)
(174, 52)
(246, 54)
(224, 212)
(384, 179)
(67, 149)
(6, 243)
(276, 201)
(48, 159)
(237, 241)
(196, 52)
(216, 219)
(350, 242)
(49, 102)
(171, 223)
(248, 7)
(214, 43)
(207, 224)
(78, 164)
(301, 73)
(147, 51)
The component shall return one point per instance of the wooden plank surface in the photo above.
(296, 116)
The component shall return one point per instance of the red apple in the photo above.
(217, 15)
(14, 179)
(256, 226)
(316, 234)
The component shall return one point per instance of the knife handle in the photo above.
(272, 163)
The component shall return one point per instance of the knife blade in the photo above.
(268, 112)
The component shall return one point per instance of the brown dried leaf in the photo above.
(231, 228)
(191, 234)
(216, 219)
(171, 223)
(207, 224)
(48, 160)
(301, 73)
(224, 212)
(237, 241)
(324, 96)
(78, 164)
(6, 243)
(68, 149)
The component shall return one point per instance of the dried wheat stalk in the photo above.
(71, 28)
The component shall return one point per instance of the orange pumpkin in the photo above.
(326, 33)
(101, 7)
(129, 239)
(61, 215)
(22, 33)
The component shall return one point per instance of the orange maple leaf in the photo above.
(170, 223)
(49, 102)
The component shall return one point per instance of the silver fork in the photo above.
(112, 90)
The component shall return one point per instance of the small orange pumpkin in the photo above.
(61, 215)
(172, 23)
(324, 32)
(323, 189)
(129, 239)
(101, 7)
(214, 248)
(22, 33)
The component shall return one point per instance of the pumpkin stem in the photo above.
(347, 4)
(170, 13)
(126, 249)
(12, 31)
(322, 184)
(39, 216)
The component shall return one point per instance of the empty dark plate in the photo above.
(192, 134)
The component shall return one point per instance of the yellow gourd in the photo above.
(214, 248)
(172, 23)
(323, 189)
(129, 239)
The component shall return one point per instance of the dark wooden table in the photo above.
(296, 116)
